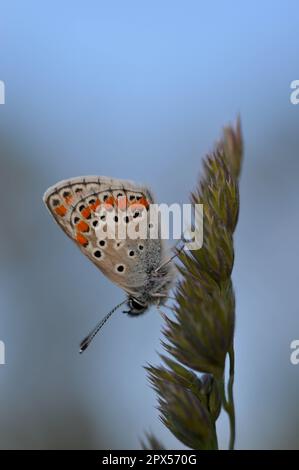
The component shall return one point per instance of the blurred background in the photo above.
(141, 90)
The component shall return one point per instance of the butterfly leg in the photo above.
(178, 251)
(163, 296)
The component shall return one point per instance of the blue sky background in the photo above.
(141, 90)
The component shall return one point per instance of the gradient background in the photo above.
(141, 90)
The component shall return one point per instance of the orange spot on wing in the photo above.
(122, 202)
(136, 206)
(81, 239)
(86, 212)
(109, 202)
(68, 200)
(139, 205)
(61, 210)
(95, 205)
(82, 226)
(143, 201)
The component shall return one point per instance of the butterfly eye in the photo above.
(136, 306)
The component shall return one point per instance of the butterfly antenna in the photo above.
(86, 342)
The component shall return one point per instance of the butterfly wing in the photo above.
(76, 206)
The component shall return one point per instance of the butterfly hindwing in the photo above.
(76, 206)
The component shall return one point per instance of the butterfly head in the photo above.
(136, 306)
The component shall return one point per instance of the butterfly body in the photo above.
(85, 207)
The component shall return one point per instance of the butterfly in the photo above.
(86, 208)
